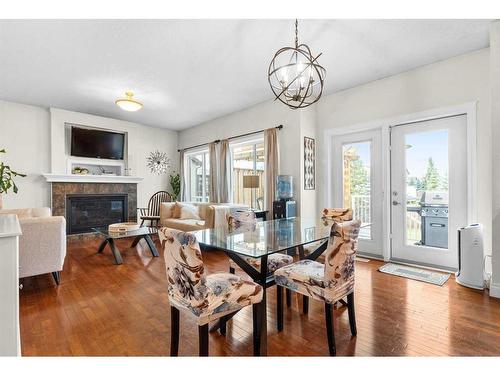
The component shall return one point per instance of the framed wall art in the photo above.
(309, 164)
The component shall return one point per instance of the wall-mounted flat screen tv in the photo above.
(93, 143)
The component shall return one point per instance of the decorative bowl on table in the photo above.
(123, 227)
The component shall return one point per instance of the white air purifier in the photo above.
(470, 257)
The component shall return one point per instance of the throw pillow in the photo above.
(176, 210)
(166, 209)
(189, 212)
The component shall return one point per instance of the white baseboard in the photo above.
(495, 290)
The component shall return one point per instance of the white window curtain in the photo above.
(225, 169)
(271, 153)
(182, 195)
(214, 183)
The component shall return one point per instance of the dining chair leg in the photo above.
(352, 315)
(222, 325)
(203, 340)
(288, 294)
(305, 304)
(329, 329)
(256, 329)
(279, 296)
(174, 331)
(142, 223)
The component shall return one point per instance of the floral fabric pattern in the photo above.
(207, 297)
(337, 215)
(333, 280)
(241, 218)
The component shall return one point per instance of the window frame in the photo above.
(204, 152)
(246, 141)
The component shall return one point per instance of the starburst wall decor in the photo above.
(158, 162)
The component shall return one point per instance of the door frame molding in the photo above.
(468, 109)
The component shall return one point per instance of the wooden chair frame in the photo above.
(152, 212)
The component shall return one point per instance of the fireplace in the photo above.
(86, 211)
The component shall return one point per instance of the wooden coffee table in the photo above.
(137, 235)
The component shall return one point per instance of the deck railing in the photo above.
(361, 206)
(413, 226)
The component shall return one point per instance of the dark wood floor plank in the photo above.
(101, 309)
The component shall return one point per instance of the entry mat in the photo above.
(415, 273)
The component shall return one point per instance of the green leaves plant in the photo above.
(7, 176)
(175, 183)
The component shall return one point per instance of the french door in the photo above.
(428, 190)
(357, 168)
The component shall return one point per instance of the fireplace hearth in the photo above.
(86, 211)
(76, 228)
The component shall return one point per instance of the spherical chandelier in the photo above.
(295, 76)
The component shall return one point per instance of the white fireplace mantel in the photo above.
(87, 178)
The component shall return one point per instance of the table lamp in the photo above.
(251, 182)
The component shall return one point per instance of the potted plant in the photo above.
(7, 176)
(175, 183)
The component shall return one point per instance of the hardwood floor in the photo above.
(101, 309)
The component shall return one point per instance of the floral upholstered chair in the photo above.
(246, 219)
(338, 215)
(327, 282)
(242, 220)
(207, 297)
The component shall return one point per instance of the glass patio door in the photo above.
(428, 191)
(358, 184)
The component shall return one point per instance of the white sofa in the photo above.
(211, 215)
(42, 245)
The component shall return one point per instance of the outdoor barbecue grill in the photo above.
(434, 215)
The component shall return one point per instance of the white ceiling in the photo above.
(190, 71)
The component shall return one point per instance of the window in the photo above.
(248, 159)
(198, 176)
(357, 183)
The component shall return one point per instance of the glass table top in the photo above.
(266, 237)
(133, 233)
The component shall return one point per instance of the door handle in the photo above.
(437, 225)
(395, 203)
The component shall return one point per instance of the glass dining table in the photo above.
(261, 240)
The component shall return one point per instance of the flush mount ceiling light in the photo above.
(295, 76)
(128, 103)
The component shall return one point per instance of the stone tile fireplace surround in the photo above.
(60, 191)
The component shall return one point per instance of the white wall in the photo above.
(495, 122)
(451, 82)
(34, 138)
(308, 207)
(141, 141)
(25, 135)
(262, 116)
